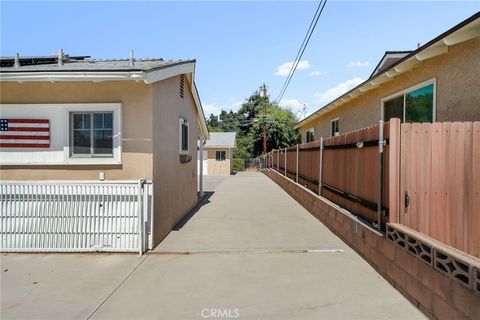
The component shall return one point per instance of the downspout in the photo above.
(201, 168)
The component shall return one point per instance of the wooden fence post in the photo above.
(394, 171)
(379, 175)
(285, 155)
(278, 160)
(320, 167)
(296, 167)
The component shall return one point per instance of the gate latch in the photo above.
(406, 201)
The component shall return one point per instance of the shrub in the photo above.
(238, 165)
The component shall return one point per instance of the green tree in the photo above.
(212, 121)
(249, 121)
(280, 131)
(229, 121)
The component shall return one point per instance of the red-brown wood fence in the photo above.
(440, 171)
(437, 165)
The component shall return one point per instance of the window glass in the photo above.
(419, 105)
(184, 137)
(335, 127)
(92, 133)
(413, 106)
(310, 135)
(220, 155)
(103, 136)
(81, 133)
(103, 142)
(393, 109)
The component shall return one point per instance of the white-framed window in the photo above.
(335, 127)
(183, 132)
(91, 134)
(310, 135)
(220, 155)
(415, 104)
(94, 133)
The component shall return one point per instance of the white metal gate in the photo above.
(61, 216)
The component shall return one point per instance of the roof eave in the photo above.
(95, 76)
(464, 31)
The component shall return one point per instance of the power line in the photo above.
(301, 46)
(298, 58)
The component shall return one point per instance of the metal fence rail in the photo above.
(67, 216)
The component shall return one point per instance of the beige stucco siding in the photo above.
(219, 168)
(136, 99)
(457, 92)
(175, 183)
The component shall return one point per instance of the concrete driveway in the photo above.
(249, 252)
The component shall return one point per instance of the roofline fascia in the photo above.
(201, 115)
(71, 76)
(413, 55)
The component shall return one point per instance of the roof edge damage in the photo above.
(464, 31)
(148, 74)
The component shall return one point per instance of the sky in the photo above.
(237, 45)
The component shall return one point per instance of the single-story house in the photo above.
(439, 81)
(74, 118)
(217, 153)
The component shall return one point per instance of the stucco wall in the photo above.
(218, 168)
(457, 92)
(175, 183)
(136, 98)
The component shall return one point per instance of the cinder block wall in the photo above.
(436, 295)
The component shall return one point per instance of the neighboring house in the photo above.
(440, 81)
(217, 153)
(104, 120)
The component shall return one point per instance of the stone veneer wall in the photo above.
(438, 295)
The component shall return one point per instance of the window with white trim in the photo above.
(416, 104)
(310, 135)
(335, 127)
(91, 134)
(183, 129)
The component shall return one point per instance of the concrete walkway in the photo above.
(254, 253)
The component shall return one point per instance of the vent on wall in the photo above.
(182, 85)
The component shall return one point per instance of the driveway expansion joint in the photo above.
(246, 251)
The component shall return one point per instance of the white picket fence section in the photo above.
(79, 216)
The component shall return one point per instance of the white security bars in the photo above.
(64, 216)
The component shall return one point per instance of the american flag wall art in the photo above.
(24, 133)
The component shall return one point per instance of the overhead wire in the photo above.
(302, 48)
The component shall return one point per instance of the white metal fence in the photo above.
(79, 216)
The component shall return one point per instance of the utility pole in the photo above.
(263, 93)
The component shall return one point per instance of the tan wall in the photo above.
(457, 99)
(136, 98)
(175, 183)
(219, 168)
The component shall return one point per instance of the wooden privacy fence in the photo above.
(440, 182)
(342, 169)
(426, 175)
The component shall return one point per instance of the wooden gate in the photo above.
(440, 184)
